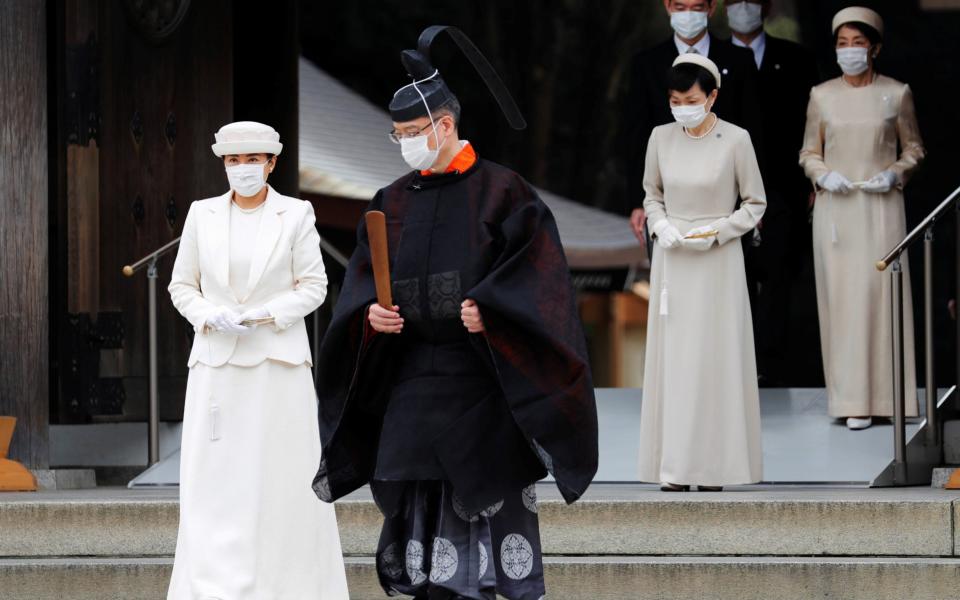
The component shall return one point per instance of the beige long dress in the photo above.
(856, 132)
(700, 420)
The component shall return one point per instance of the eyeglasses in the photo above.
(395, 136)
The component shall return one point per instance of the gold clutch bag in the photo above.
(255, 322)
(700, 236)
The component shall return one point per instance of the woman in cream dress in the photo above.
(855, 124)
(248, 270)
(700, 421)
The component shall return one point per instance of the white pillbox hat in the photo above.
(247, 137)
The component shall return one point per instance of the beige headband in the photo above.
(700, 60)
(858, 14)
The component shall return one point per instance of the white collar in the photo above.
(758, 45)
(702, 47)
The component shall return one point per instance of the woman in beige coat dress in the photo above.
(700, 420)
(855, 124)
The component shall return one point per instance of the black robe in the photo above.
(488, 412)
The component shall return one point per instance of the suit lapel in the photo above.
(271, 226)
(769, 56)
(218, 239)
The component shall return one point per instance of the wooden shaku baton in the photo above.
(377, 236)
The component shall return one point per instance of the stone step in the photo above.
(610, 520)
(568, 578)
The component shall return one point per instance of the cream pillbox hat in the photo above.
(246, 137)
(701, 60)
(858, 14)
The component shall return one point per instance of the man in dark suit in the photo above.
(647, 99)
(786, 72)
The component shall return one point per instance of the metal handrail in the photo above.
(933, 435)
(337, 256)
(129, 270)
(150, 262)
(914, 235)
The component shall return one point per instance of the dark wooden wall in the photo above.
(137, 116)
(23, 228)
(185, 80)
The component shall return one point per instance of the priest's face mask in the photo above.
(421, 139)
(437, 131)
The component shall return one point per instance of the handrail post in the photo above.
(153, 427)
(899, 416)
(933, 422)
(153, 424)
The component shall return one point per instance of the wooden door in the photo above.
(142, 87)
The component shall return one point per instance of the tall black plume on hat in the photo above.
(429, 91)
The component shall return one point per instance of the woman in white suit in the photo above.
(248, 271)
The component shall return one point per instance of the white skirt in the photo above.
(251, 527)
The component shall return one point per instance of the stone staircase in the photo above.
(623, 542)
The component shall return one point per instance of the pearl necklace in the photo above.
(716, 120)
(873, 78)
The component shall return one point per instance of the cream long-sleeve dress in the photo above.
(856, 132)
(700, 420)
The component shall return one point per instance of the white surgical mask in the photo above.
(689, 23)
(745, 17)
(853, 61)
(690, 116)
(417, 152)
(246, 180)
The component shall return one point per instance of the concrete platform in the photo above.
(801, 444)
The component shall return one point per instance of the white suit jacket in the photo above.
(287, 277)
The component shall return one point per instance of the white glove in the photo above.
(668, 236)
(255, 314)
(880, 183)
(835, 182)
(700, 244)
(226, 320)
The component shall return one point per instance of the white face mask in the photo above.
(745, 17)
(690, 116)
(853, 61)
(246, 180)
(689, 23)
(417, 152)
